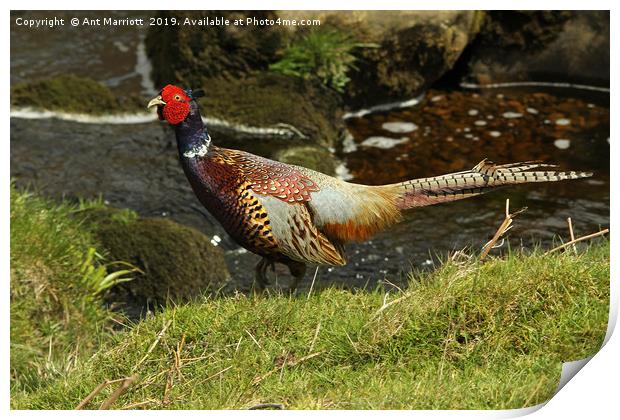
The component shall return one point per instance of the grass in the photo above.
(325, 54)
(57, 278)
(469, 335)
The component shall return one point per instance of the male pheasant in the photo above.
(296, 216)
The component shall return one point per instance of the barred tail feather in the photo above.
(482, 178)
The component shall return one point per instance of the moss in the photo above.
(178, 262)
(71, 93)
(316, 158)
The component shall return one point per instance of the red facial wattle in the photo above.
(175, 112)
(177, 105)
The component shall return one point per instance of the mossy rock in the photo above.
(522, 30)
(178, 263)
(273, 100)
(409, 60)
(316, 158)
(71, 93)
(548, 45)
(193, 53)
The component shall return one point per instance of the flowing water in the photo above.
(135, 165)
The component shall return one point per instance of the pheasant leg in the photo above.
(298, 271)
(260, 279)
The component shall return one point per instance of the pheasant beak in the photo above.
(156, 102)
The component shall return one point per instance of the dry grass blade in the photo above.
(118, 392)
(503, 228)
(387, 305)
(293, 363)
(316, 335)
(572, 234)
(582, 238)
(154, 344)
(313, 280)
(139, 404)
(219, 373)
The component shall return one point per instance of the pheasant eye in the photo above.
(177, 98)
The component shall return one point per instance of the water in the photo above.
(135, 165)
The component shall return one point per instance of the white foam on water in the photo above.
(121, 46)
(399, 127)
(480, 123)
(562, 121)
(562, 143)
(383, 142)
(348, 143)
(472, 112)
(532, 111)
(33, 114)
(143, 69)
(343, 173)
(494, 133)
(511, 115)
(465, 85)
(383, 108)
(279, 130)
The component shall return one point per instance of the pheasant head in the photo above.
(173, 103)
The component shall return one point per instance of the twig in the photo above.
(165, 400)
(178, 362)
(118, 392)
(582, 238)
(503, 228)
(572, 235)
(276, 406)
(96, 391)
(157, 339)
(313, 279)
(90, 396)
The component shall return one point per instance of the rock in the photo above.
(71, 93)
(557, 46)
(409, 59)
(413, 49)
(179, 263)
(267, 99)
(192, 54)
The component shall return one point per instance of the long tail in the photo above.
(484, 177)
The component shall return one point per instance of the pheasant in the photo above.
(296, 216)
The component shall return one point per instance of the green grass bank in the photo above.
(469, 335)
